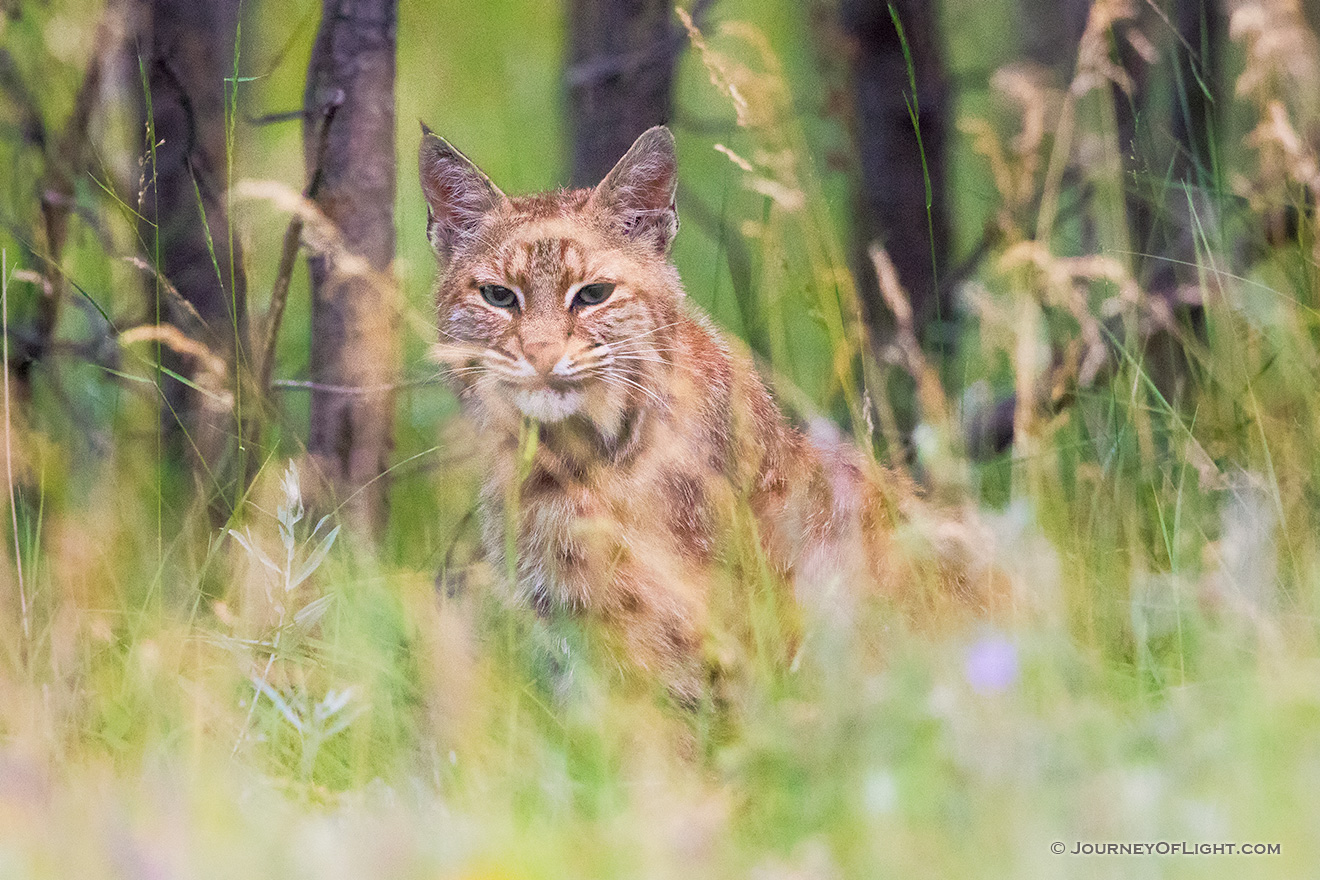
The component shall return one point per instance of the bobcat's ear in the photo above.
(457, 193)
(639, 191)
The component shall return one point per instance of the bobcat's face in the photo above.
(555, 305)
(548, 318)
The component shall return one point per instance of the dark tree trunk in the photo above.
(188, 53)
(1169, 165)
(1163, 226)
(1169, 215)
(65, 157)
(1051, 31)
(354, 313)
(1203, 28)
(891, 199)
(1161, 157)
(620, 78)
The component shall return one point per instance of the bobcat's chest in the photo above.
(592, 532)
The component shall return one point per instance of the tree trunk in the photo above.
(1170, 231)
(891, 200)
(188, 54)
(1189, 208)
(1203, 28)
(1158, 212)
(1051, 31)
(1311, 12)
(620, 79)
(1158, 216)
(354, 350)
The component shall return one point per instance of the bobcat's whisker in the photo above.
(612, 378)
(633, 345)
(591, 358)
(643, 335)
(658, 357)
(572, 371)
(444, 332)
(656, 329)
(477, 384)
(641, 358)
(467, 372)
(644, 352)
(503, 371)
(445, 352)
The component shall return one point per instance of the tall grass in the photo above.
(275, 701)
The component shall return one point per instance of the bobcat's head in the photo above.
(557, 305)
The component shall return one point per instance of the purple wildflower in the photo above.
(992, 664)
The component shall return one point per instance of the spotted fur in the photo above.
(654, 429)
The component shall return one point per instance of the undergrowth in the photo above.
(273, 699)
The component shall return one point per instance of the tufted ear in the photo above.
(457, 193)
(639, 191)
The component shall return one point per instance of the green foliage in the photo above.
(271, 700)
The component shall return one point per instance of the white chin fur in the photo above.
(546, 404)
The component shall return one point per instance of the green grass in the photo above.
(175, 705)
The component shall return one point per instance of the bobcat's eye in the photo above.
(593, 294)
(499, 296)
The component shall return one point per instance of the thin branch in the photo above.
(930, 393)
(273, 118)
(596, 70)
(279, 295)
(298, 384)
(9, 451)
(65, 162)
(172, 293)
(12, 84)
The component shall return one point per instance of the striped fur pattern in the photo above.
(654, 428)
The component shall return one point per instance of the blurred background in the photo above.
(1056, 260)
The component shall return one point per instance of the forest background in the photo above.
(1056, 260)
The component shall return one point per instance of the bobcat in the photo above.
(561, 313)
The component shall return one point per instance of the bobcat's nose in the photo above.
(543, 354)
